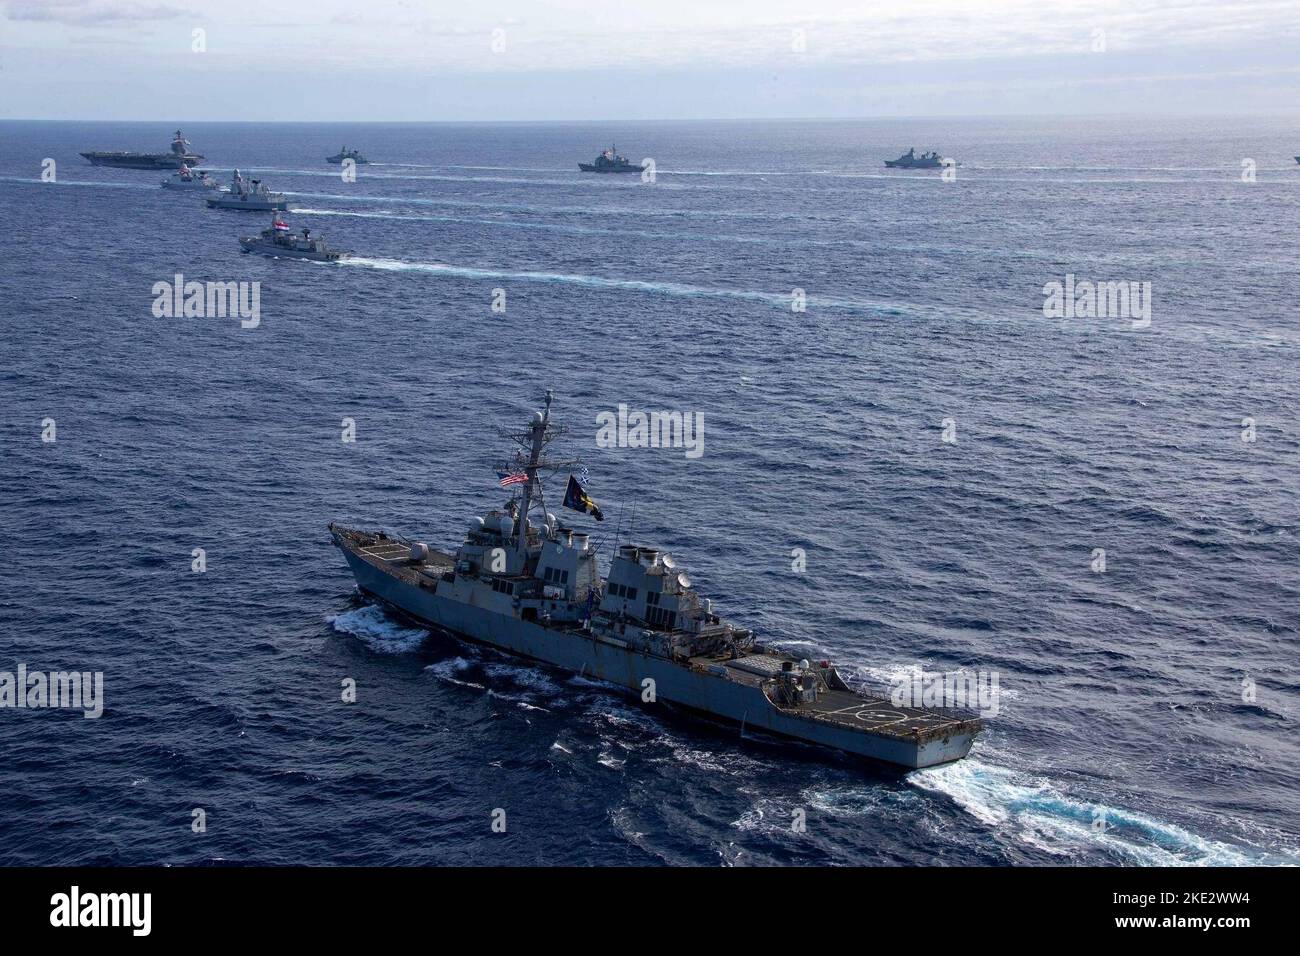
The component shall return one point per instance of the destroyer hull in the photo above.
(282, 252)
(248, 205)
(716, 690)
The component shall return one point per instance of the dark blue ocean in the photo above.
(1159, 696)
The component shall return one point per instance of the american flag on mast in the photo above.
(510, 478)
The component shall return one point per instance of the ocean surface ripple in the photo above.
(1148, 713)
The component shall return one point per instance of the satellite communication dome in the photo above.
(505, 524)
(669, 561)
(475, 525)
(683, 580)
(537, 418)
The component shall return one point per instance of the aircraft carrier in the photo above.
(526, 584)
(179, 156)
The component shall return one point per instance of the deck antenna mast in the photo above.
(532, 443)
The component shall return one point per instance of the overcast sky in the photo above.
(641, 59)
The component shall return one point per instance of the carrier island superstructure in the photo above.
(526, 584)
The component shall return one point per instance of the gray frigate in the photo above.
(279, 241)
(345, 153)
(188, 180)
(609, 161)
(910, 160)
(526, 584)
(250, 195)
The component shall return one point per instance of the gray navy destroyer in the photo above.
(279, 240)
(910, 160)
(345, 153)
(187, 180)
(524, 583)
(250, 195)
(609, 162)
(178, 156)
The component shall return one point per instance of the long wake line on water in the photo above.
(1145, 258)
(778, 300)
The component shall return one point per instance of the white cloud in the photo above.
(86, 12)
(731, 57)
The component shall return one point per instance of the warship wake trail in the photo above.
(24, 180)
(585, 211)
(620, 285)
(580, 230)
(1037, 813)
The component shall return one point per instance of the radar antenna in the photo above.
(532, 443)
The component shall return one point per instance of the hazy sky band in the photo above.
(573, 59)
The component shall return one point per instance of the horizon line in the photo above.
(1190, 114)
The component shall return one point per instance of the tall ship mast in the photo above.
(529, 584)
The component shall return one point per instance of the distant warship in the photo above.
(248, 194)
(526, 584)
(345, 153)
(609, 162)
(185, 178)
(179, 156)
(279, 240)
(910, 160)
